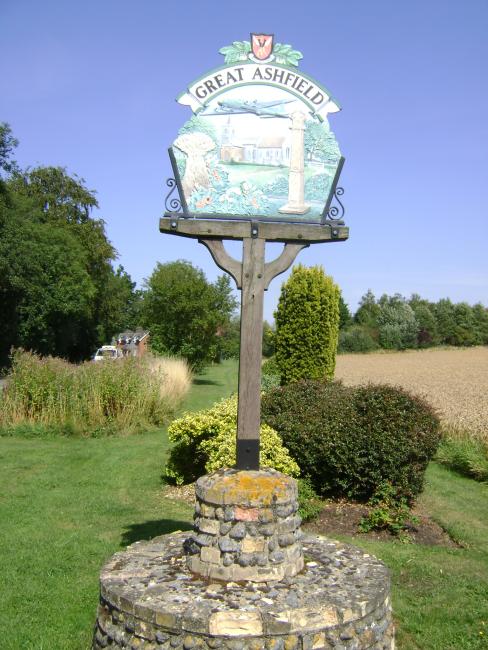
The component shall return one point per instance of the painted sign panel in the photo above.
(259, 144)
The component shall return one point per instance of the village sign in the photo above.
(256, 162)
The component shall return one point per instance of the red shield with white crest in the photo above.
(262, 46)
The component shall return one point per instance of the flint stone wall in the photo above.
(149, 599)
(246, 526)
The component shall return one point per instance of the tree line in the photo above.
(397, 323)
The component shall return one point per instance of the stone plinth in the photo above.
(246, 527)
(150, 599)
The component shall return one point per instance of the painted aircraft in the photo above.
(261, 109)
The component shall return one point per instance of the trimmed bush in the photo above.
(351, 440)
(206, 441)
(307, 325)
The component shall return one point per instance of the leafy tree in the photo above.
(368, 311)
(446, 322)
(7, 145)
(46, 292)
(397, 324)
(230, 339)
(465, 331)
(427, 327)
(345, 318)
(480, 317)
(185, 312)
(307, 325)
(200, 124)
(59, 293)
(320, 143)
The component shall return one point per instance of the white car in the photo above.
(107, 352)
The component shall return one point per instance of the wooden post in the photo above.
(249, 409)
(252, 276)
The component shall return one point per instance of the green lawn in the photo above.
(67, 504)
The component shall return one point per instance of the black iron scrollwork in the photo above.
(336, 213)
(172, 204)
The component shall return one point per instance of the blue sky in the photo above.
(92, 85)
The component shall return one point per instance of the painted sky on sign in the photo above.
(92, 86)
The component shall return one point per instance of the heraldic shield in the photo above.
(262, 45)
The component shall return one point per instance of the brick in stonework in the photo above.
(210, 526)
(210, 554)
(246, 514)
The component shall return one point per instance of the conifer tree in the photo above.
(307, 325)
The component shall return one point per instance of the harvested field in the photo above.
(453, 380)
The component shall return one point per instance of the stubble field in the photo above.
(453, 380)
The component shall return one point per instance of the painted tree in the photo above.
(320, 143)
(307, 325)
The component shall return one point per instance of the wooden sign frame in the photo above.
(252, 276)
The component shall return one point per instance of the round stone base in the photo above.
(149, 599)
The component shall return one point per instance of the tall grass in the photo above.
(126, 395)
(465, 452)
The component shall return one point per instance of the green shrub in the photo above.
(270, 367)
(466, 456)
(307, 325)
(389, 511)
(270, 374)
(356, 338)
(350, 440)
(206, 441)
(309, 503)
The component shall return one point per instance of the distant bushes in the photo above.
(206, 441)
(51, 395)
(349, 441)
(356, 339)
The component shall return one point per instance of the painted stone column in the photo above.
(296, 179)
